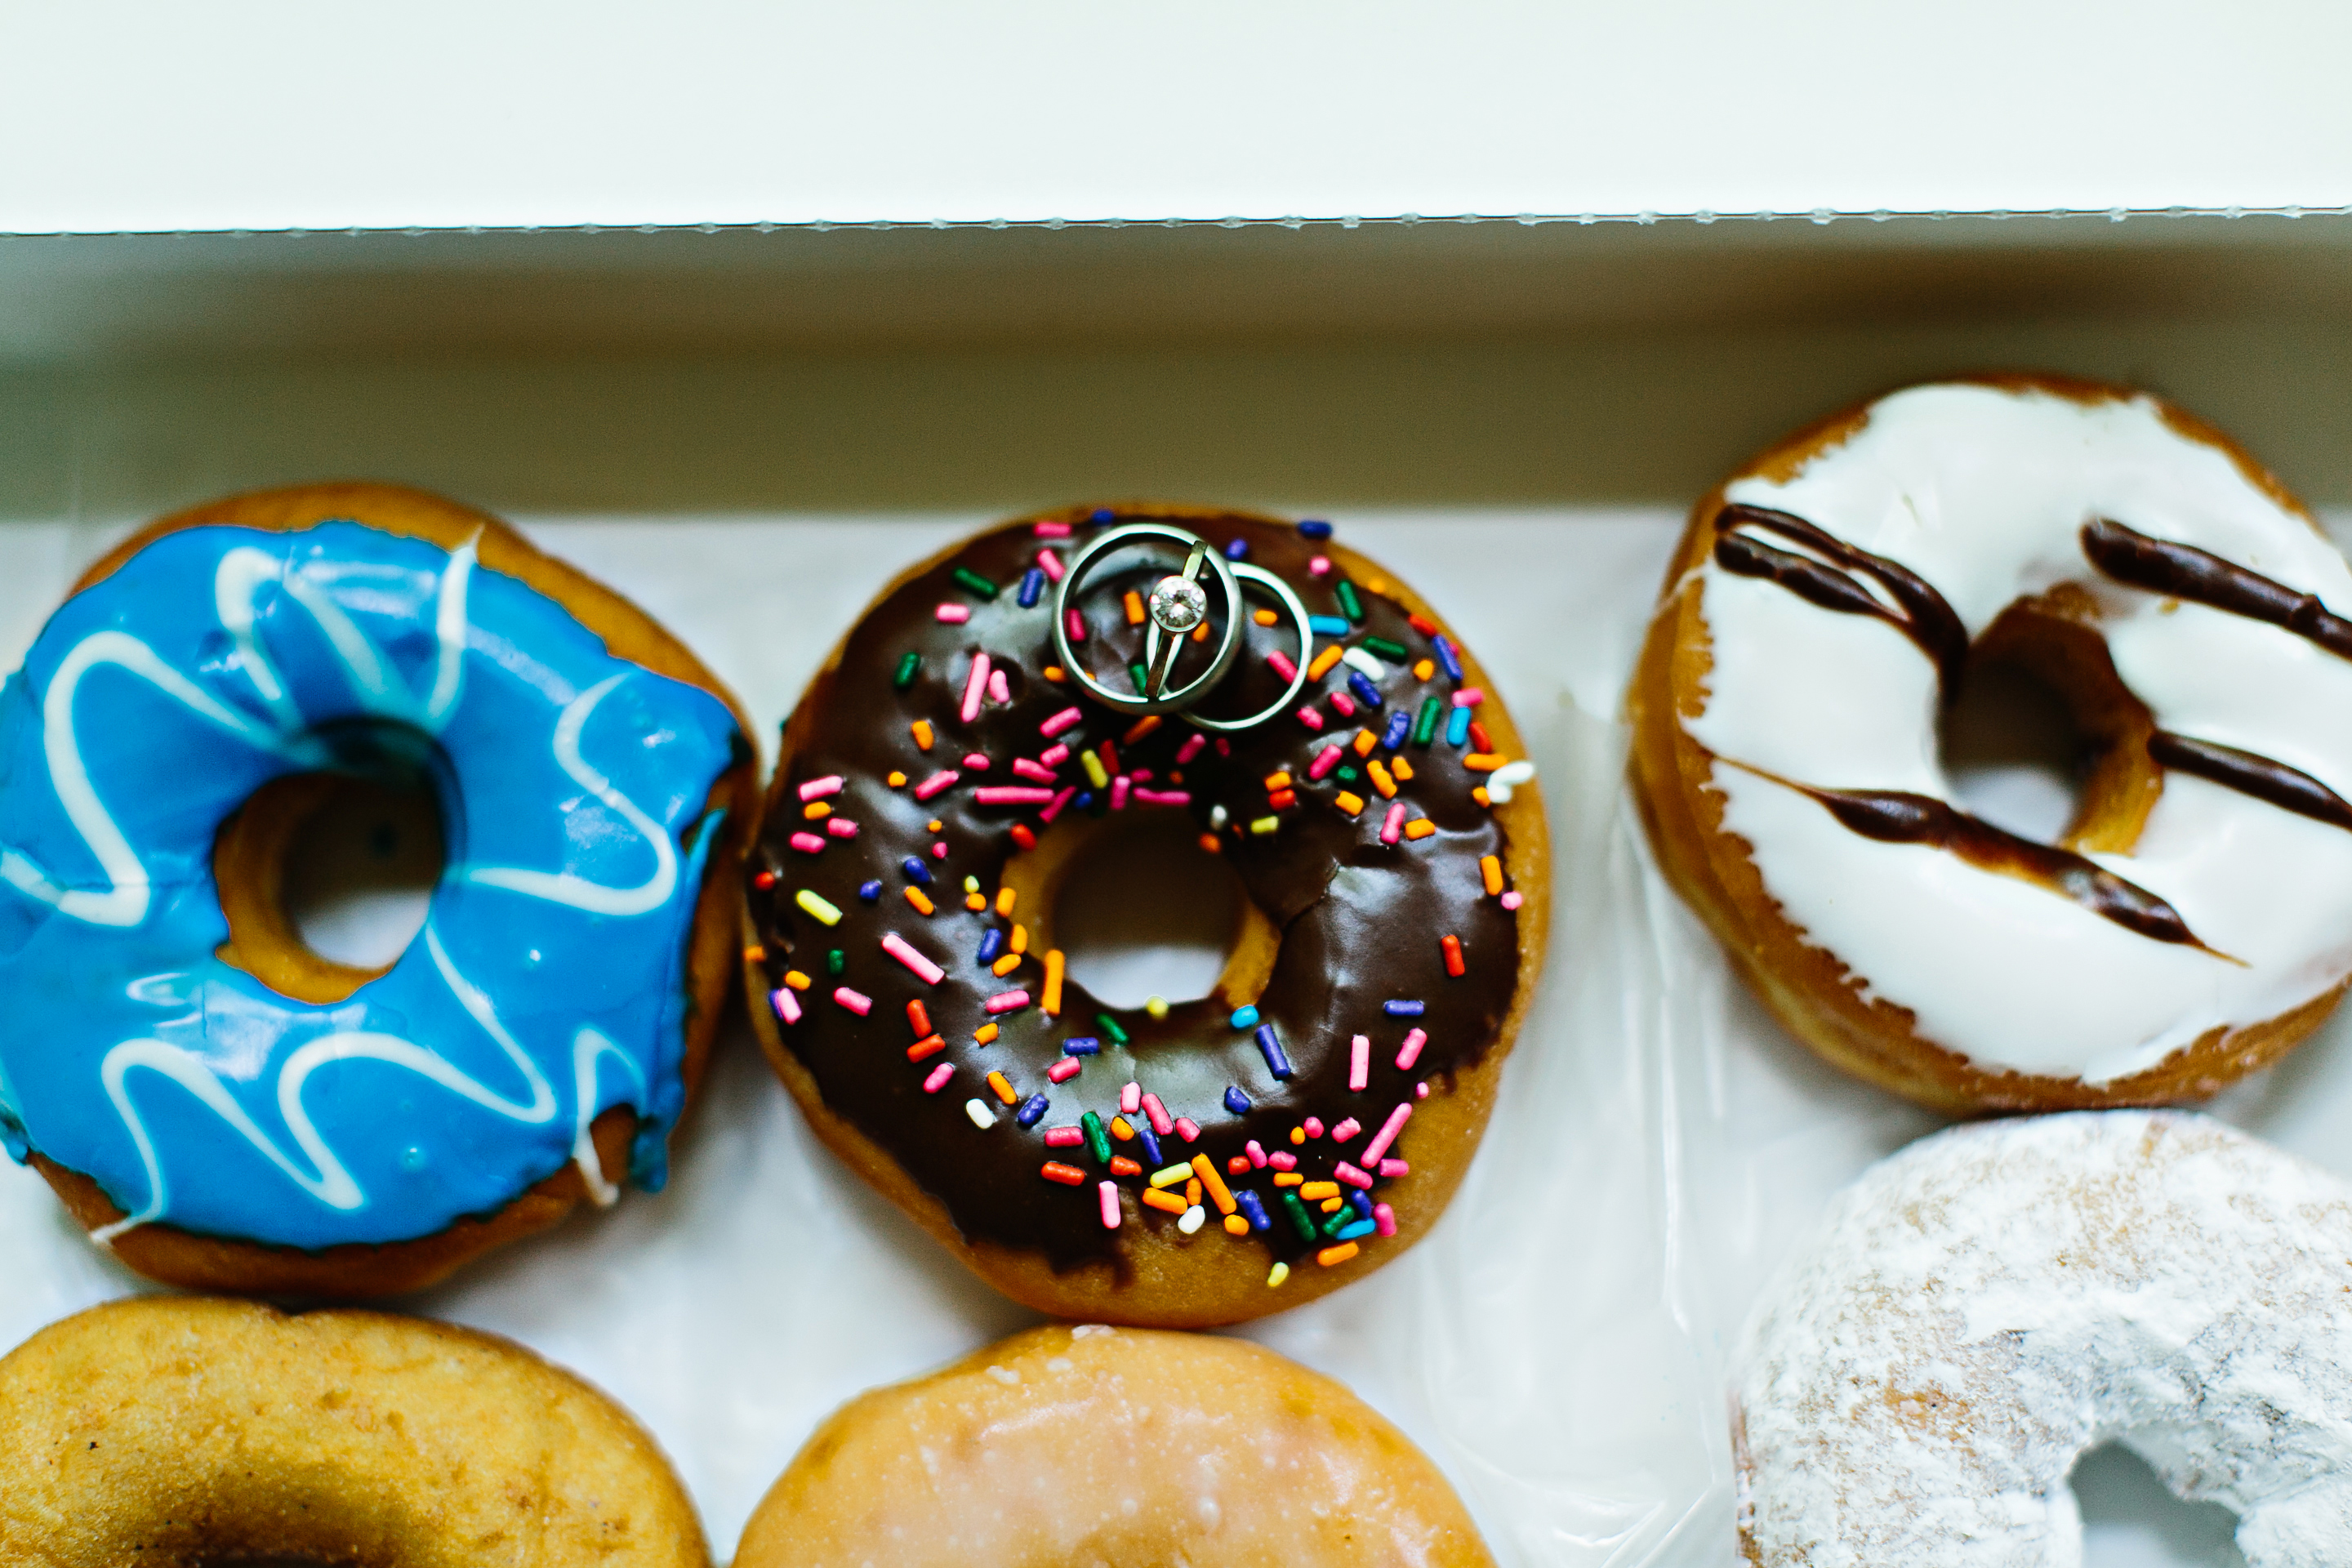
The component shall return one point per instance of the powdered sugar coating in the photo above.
(1982, 1307)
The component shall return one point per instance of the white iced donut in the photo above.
(1982, 1307)
(2195, 918)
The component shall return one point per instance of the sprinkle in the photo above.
(1194, 745)
(1383, 1220)
(1219, 1194)
(817, 906)
(856, 1002)
(936, 783)
(1490, 870)
(1457, 727)
(1236, 1102)
(1157, 1114)
(787, 1005)
(1012, 795)
(1348, 801)
(1033, 583)
(1054, 807)
(1297, 1212)
(1357, 660)
(992, 942)
(1419, 827)
(1332, 1257)
(841, 827)
(894, 945)
(1283, 1160)
(1244, 1018)
(1006, 1002)
(1381, 780)
(1352, 1176)
(1196, 1216)
(1068, 1176)
(1366, 692)
(1403, 1007)
(1359, 1062)
(1314, 1128)
(1234, 1224)
(1064, 1136)
(1049, 530)
(1392, 1169)
(1351, 605)
(1469, 697)
(1328, 627)
(1237, 550)
(1349, 1128)
(1130, 1097)
(1168, 1176)
(796, 980)
(953, 615)
(1083, 1046)
(975, 582)
(1509, 776)
(1120, 1166)
(1387, 1134)
(1287, 1178)
(807, 843)
(1052, 1000)
(1270, 1048)
(1481, 762)
(975, 686)
(896, 779)
(1077, 624)
(1342, 703)
(981, 1116)
(1163, 797)
(835, 961)
(1264, 618)
(1446, 656)
(983, 1034)
(1425, 726)
(1002, 1086)
(998, 692)
(1276, 1276)
(928, 1045)
(1156, 1007)
(909, 666)
(921, 730)
(817, 789)
(938, 1079)
(1120, 788)
(1364, 743)
(1394, 824)
(1511, 901)
(1188, 1130)
(1167, 1201)
(1314, 528)
(1394, 732)
(1280, 663)
(923, 905)
(1256, 1152)
(1097, 1140)
(1059, 723)
(1402, 768)
(1451, 947)
(1022, 836)
(1310, 718)
(1051, 564)
(1110, 1027)
(1410, 1051)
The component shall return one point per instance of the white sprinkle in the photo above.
(1194, 1218)
(982, 1117)
(1500, 782)
(1216, 819)
(1356, 658)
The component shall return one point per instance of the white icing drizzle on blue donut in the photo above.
(549, 983)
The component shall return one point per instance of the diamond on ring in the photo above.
(1179, 604)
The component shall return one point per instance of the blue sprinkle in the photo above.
(1457, 727)
(1253, 1208)
(1314, 528)
(1271, 1048)
(992, 942)
(1238, 550)
(1245, 1017)
(1350, 1232)
(1083, 1045)
(1031, 1112)
(870, 892)
(1086, 796)
(1362, 1200)
(1235, 1100)
(1366, 692)
(1447, 659)
(1033, 582)
(1150, 1142)
(916, 872)
(1402, 1009)
(1103, 514)
(1327, 626)
(1398, 723)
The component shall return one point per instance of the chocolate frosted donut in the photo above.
(1163, 1164)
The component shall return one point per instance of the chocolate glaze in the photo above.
(2185, 571)
(1359, 920)
(2250, 774)
(1918, 611)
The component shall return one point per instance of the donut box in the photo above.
(752, 431)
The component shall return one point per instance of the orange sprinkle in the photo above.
(1277, 780)
(1121, 1128)
(1323, 662)
(1422, 624)
(1068, 1176)
(1238, 1166)
(1283, 799)
(1287, 1178)
(1005, 965)
(1120, 1166)
(755, 955)
(1364, 743)
(1134, 601)
(1453, 948)
(1052, 1000)
(1403, 769)
(1378, 586)
(1298, 1135)
(928, 1045)
(1020, 936)
(1482, 762)
(1424, 669)
(1263, 617)
(1219, 1194)
(922, 905)
(1381, 780)
(1481, 796)
(1236, 1226)
(1004, 897)
(1329, 1205)
(1002, 1086)
(934, 825)
(1140, 729)
(1491, 871)
(796, 980)
(976, 903)
(922, 728)
(1419, 827)
(1209, 842)
(918, 1018)
(1192, 1191)
(1056, 674)
(815, 811)
(983, 1034)
(1331, 1256)
(1165, 1201)
(1348, 800)
(897, 780)
(1315, 1192)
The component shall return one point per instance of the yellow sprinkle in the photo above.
(1005, 965)
(1332, 1256)
(1484, 762)
(1287, 1178)
(1052, 1001)
(1019, 937)
(1490, 870)
(1002, 1086)
(922, 728)
(796, 980)
(1093, 765)
(1323, 662)
(897, 780)
(1424, 669)
(1236, 1226)
(1419, 827)
(817, 907)
(1265, 825)
(1381, 780)
(972, 884)
(1315, 1192)
(1004, 897)
(1329, 1205)
(1169, 1175)
(1156, 1006)
(922, 905)
(1364, 743)
(1276, 1275)
(1348, 801)
(1403, 769)
(1263, 617)
(983, 1034)
(815, 811)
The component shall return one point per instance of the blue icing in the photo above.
(546, 986)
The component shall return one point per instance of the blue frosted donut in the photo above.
(581, 795)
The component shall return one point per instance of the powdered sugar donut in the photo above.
(1981, 1309)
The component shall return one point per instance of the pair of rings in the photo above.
(1174, 609)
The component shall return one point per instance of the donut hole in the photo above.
(2013, 753)
(2131, 1520)
(1143, 910)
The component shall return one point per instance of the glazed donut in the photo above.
(227, 1109)
(2193, 923)
(1166, 1164)
(178, 1431)
(1981, 1309)
(1100, 1445)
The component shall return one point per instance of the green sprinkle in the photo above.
(821, 908)
(909, 666)
(1300, 1220)
(1136, 671)
(1110, 1027)
(975, 582)
(1349, 606)
(836, 962)
(1347, 772)
(1425, 727)
(1338, 1220)
(1394, 652)
(1097, 1140)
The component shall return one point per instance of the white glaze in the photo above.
(1984, 492)
(1982, 1307)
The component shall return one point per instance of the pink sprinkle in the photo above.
(1387, 1134)
(1359, 1061)
(1410, 1052)
(1007, 1002)
(1029, 770)
(1311, 719)
(1393, 829)
(1012, 795)
(936, 783)
(1163, 797)
(787, 1005)
(1315, 1127)
(1109, 1193)
(1050, 530)
(1060, 801)
(897, 946)
(976, 761)
(1120, 788)
(1224, 747)
(1283, 1160)
(856, 1002)
(938, 1079)
(975, 686)
(1421, 1090)
(953, 615)
(1051, 564)
(1282, 664)
(1392, 1169)
(1140, 776)
(1059, 723)
(1344, 703)
(1054, 755)
(1159, 1115)
(1188, 1130)
(939, 851)
(1077, 625)
(1064, 1137)
(841, 827)
(807, 843)
(1066, 1069)
(1257, 1155)
(1468, 697)
(817, 789)
(1511, 901)
(1383, 1220)
(1325, 761)
(1130, 1097)
(1320, 567)
(1352, 1176)
(998, 693)
(1191, 748)
(1347, 1129)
